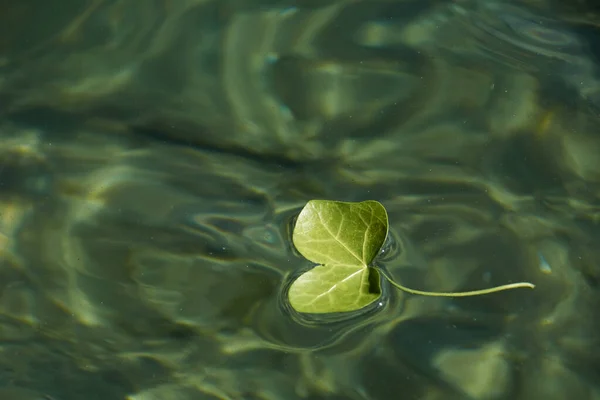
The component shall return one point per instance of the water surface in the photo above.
(152, 161)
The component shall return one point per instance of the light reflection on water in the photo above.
(152, 162)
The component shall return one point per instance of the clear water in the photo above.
(153, 158)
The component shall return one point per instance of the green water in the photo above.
(154, 155)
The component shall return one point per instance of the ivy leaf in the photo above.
(343, 238)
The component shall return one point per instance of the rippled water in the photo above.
(153, 159)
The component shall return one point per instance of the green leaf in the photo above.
(343, 238)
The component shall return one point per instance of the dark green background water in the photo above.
(153, 155)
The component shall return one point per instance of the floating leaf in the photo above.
(343, 239)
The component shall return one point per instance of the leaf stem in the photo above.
(459, 294)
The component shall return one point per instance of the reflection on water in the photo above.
(152, 160)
